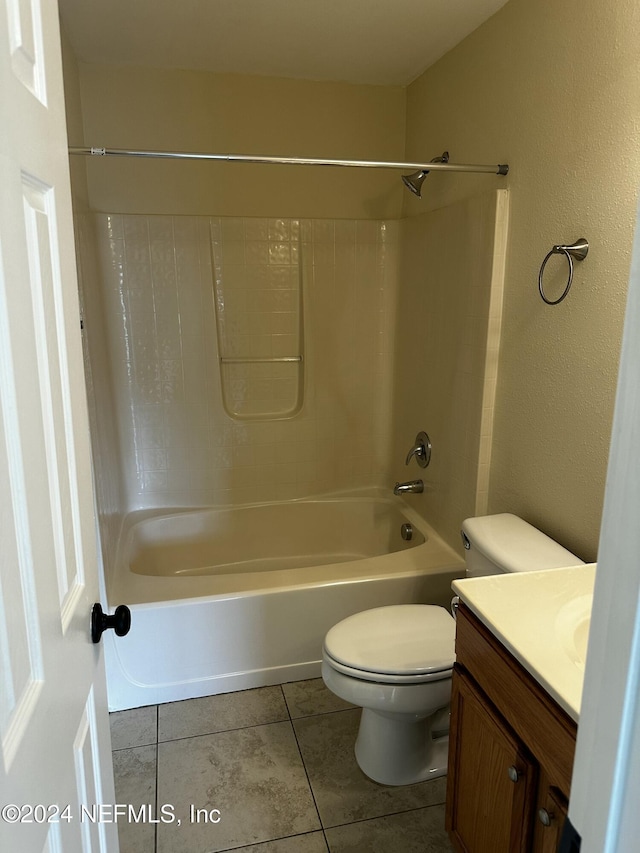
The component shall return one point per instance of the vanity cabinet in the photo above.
(511, 751)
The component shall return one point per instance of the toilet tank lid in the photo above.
(515, 545)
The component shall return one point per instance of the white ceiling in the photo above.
(385, 42)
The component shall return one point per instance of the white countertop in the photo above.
(543, 619)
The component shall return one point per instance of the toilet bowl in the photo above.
(396, 662)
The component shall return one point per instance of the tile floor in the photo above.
(269, 770)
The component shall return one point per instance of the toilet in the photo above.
(396, 662)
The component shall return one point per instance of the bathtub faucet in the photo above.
(415, 487)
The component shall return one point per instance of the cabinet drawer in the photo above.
(547, 731)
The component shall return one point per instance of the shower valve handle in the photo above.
(100, 622)
(421, 450)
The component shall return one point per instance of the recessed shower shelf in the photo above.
(260, 329)
(249, 360)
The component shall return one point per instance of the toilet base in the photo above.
(399, 753)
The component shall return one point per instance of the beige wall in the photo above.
(558, 103)
(553, 89)
(225, 113)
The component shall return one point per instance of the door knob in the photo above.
(120, 621)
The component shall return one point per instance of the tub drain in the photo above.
(406, 531)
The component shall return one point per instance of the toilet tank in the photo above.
(495, 544)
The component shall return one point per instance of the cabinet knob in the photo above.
(545, 817)
(514, 773)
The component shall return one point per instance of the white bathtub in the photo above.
(227, 599)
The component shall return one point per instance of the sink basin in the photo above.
(543, 619)
(572, 627)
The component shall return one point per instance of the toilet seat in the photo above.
(398, 644)
(385, 677)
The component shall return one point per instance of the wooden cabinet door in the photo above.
(551, 810)
(491, 782)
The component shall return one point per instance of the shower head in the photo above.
(415, 180)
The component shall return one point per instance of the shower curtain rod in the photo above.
(295, 161)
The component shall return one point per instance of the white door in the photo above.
(54, 741)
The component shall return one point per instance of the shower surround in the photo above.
(180, 445)
(398, 327)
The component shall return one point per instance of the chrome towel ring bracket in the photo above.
(578, 251)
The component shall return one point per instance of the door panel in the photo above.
(54, 740)
(26, 46)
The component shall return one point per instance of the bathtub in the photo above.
(227, 599)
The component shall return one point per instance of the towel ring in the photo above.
(578, 250)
